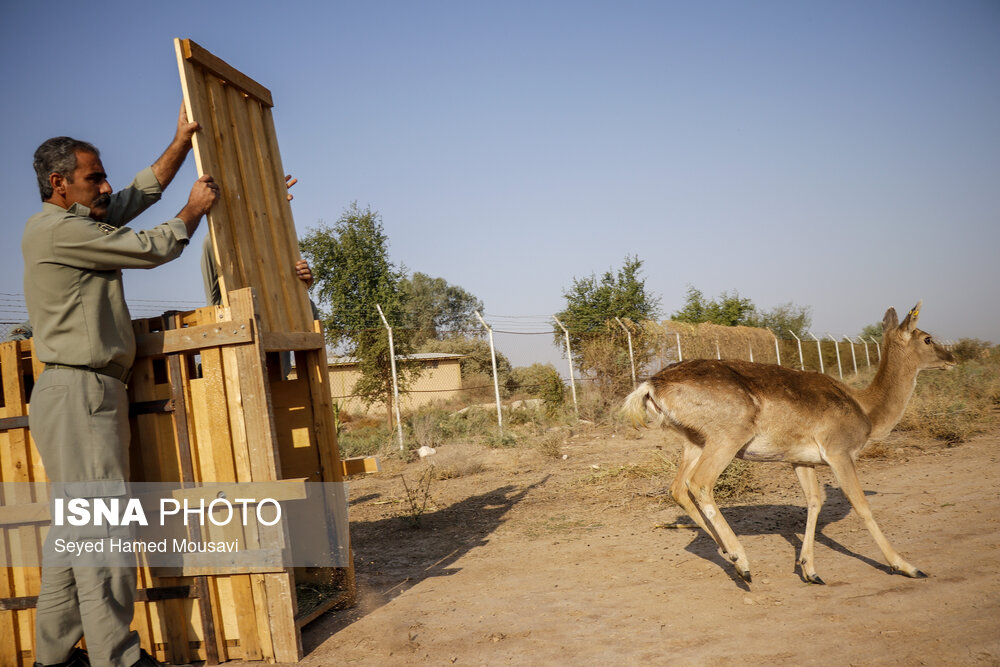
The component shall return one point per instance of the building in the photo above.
(440, 379)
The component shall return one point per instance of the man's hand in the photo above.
(185, 128)
(204, 194)
(166, 166)
(304, 273)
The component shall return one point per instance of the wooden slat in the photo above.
(274, 341)
(193, 52)
(160, 343)
(282, 234)
(361, 464)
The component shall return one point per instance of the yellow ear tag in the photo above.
(915, 312)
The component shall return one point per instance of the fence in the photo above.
(507, 359)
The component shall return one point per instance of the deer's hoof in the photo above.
(814, 579)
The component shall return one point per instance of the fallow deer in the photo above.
(762, 412)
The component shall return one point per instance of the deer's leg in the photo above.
(701, 484)
(847, 477)
(679, 488)
(810, 487)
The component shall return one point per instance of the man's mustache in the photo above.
(102, 202)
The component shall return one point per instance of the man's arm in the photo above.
(166, 166)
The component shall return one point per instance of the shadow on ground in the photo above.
(391, 555)
(788, 521)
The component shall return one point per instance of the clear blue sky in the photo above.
(844, 156)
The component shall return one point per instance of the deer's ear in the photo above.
(890, 321)
(910, 323)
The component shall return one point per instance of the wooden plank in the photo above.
(180, 394)
(199, 56)
(267, 259)
(283, 240)
(275, 341)
(361, 464)
(9, 423)
(160, 343)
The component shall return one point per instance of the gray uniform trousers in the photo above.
(79, 421)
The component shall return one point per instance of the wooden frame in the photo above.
(209, 404)
(251, 224)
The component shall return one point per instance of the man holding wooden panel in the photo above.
(74, 250)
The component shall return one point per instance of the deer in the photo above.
(727, 409)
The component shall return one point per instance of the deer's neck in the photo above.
(885, 399)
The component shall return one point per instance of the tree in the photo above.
(727, 310)
(592, 304)
(783, 319)
(353, 273)
(872, 331)
(730, 309)
(435, 309)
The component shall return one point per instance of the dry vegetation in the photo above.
(947, 407)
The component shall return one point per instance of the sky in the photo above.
(843, 156)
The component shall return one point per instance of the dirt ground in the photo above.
(528, 559)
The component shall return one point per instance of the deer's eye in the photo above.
(927, 340)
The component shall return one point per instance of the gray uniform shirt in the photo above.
(73, 280)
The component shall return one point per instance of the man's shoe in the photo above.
(146, 660)
(78, 658)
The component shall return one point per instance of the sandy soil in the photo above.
(529, 559)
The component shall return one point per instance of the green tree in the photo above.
(599, 345)
(592, 301)
(353, 272)
(728, 309)
(872, 331)
(436, 309)
(783, 319)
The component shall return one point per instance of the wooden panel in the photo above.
(226, 421)
(251, 224)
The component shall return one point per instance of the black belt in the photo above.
(112, 370)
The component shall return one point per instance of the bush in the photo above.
(539, 381)
(956, 404)
(968, 349)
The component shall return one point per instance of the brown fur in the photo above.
(762, 412)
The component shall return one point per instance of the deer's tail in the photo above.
(640, 404)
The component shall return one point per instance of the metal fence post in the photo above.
(680, 357)
(878, 348)
(854, 359)
(631, 357)
(395, 386)
(836, 348)
(819, 349)
(868, 359)
(569, 357)
(496, 382)
(802, 363)
(777, 352)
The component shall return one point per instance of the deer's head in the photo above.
(916, 347)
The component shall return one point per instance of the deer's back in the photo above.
(775, 413)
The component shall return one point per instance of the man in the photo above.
(74, 250)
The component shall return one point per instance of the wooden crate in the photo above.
(209, 404)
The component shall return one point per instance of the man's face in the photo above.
(89, 185)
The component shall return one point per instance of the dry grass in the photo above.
(954, 405)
